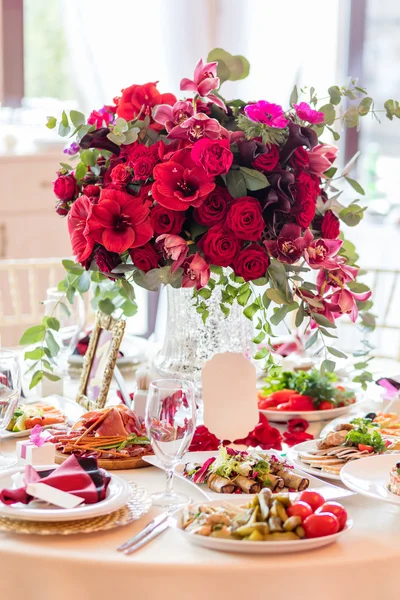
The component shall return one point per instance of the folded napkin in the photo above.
(78, 476)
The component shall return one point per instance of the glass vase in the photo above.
(189, 342)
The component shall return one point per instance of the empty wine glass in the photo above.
(170, 423)
(10, 391)
(72, 321)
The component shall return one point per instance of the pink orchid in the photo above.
(319, 253)
(289, 246)
(321, 158)
(196, 127)
(337, 277)
(204, 81)
(173, 247)
(346, 301)
(267, 113)
(196, 272)
(170, 116)
(306, 113)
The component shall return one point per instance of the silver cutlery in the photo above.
(146, 539)
(156, 522)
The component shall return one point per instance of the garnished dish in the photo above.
(27, 416)
(245, 472)
(293, 393)
(283, 519)
(350, 441)
(394, 479)
(114, 435)
(388, 424)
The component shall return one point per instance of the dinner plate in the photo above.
(329, 491)
(117, 495)
(370, 477)
(331, 426)
(247, 547)
(310, 446)
(312, 416)
(71, 410)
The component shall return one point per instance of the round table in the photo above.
(87, 567)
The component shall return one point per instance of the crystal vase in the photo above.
(189, 342)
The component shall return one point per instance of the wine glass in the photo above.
(72, 321)
(10, 391)
(170, 423)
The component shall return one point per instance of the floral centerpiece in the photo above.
(161, 190)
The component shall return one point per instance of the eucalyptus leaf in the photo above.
(36, 378)
(255, 180)
(329, 113)
(311, 340)
(365, 106)
(51, 122)
(294, 96)
(52, 344)
(80, 171)
(336, 352)
(106, 306)
(334, 95)
(77, 118)
(33, 335)
(236, 183)
(355, 185)
(322, 320)
(328, 365)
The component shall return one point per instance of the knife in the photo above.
(158, 520)
(145, 540)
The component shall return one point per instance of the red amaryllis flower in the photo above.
(196, 272)
(179, 184)
(173, 247)
(82, 244)
(138, 97)
(319, 253)
(220, 246)
(289, 246)
(245, 218)
(263, 435)
(330, 226)
(267, 161)
(306, 113)
(170, 116)
(251, 263)
(164, 220)
(346, 301)
(214, 208)
(204, 81)
(196, 127)
(214, 156)
(144, 258)
(119, 221)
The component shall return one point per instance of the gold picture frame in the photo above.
(99, 362)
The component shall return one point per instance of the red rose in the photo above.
(310, 182)
(145, 258)
(214, 156)
(120, 174)
(143, 167)
(267, 161)
(214, 208)
(92, 190)
(245, 218)
(304, 207)
(141, 99)
(220, 247)
(64, 187)
(300, 158)
(330, 226)
(62, 208)
(251, 263)
(164, 220)
(106, 261)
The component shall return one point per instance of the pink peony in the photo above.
(265, 112)
(306, 113)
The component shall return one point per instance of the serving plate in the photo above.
(70, 408)
(329, 491)
(370, 476)
(247, 547)
(312, 416)
(309, 446)
(117, 495)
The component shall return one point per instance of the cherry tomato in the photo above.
(320, 525)
(300, 509)
(300, 402)
(314, 499)
(363, 447)
(284, 406)
(325, 405)
(281, 395)
(336, 509)
(268, 403)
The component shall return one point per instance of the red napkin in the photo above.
(78, 476)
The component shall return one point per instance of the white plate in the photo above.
(331, 426)
(117, 495)
(370, 477)
(71, 410)
(312, 416)
(133, 347)
(310, 446)
(247, 547)
(329, 491)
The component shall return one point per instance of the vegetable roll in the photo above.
(293, 481)
(219, 484)
(248, 486)
(273, 482)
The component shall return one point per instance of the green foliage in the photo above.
(392, 109)
(269, 135)
(254, 180)
(229, 67)
(236, 183)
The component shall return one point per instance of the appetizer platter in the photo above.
(268, 524)
(377, 477)
(217, 478)
(113, 435)
(388, 424)
(350, 441)
(304, 394)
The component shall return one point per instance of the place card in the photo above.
(42, 491)
(230, 396)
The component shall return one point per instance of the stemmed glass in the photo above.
(10, 391)
(72, 321)
(170, 423)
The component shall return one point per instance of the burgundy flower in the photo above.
(251, 263)
(173, 247)
(330, 226)
(245, 218)
(300, 158)
(289, 246)
(220, 246)
(98, 139)
(204, 81)
(214, 156)
(214, 208)
(164, 220)
(62, 208)
(106, 261)
(196, 272)
(267, 161)
(144, 258)
(92, 191)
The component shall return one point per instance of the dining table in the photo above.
(361, 564)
